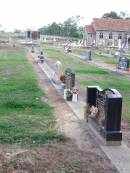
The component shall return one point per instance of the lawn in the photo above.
(24, 118)
(96, 55)
(88, 74)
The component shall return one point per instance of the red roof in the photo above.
(89, 29)
(111, 24)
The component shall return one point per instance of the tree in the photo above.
(112, 15)
(124, 15)
(68, 28)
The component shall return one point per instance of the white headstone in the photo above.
(119, 43)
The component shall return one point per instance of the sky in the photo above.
(34, 14)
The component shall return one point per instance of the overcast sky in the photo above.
(23, 14)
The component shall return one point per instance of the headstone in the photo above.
(109, 105)
(117, 54)
(32, 49)
(28, 34)
(57, 72)
(41, 57)
(88, 56)
(123, 63)
(69, 78)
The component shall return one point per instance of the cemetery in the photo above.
(77, 82)
(64, 87)
(88, 100)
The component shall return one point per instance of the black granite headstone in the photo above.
(109, 104)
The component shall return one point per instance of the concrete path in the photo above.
(119, 155)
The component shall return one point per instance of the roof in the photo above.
(89, 29)
(111, 24)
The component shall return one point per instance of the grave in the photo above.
(88, 56)
(69, 78)
(56, 75)
(123, 63)
(108, 117)
(32, 49)
(41, 57)
(70, 92)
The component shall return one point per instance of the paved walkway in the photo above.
(119, 155)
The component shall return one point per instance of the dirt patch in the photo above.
(54, 158)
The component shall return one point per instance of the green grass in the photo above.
(87, 74)
(24, 118)
(96, 55)
(80, 51)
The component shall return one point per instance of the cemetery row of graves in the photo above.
(20, 95)
(90, 75)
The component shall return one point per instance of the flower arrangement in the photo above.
(69, 92)
(74, 90)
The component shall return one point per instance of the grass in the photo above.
(96, 56)
(87, 74)
(24, 118)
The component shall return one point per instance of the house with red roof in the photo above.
(103, 32)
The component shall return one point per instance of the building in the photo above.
(103, 32)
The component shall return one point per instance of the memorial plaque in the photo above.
(123, 63)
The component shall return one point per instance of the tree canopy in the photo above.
(114, 15)
(68, 28)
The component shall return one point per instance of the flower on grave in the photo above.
(75, 90)
(69, 92)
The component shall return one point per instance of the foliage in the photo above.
(68, 28)
(69, 93)
(114, 15)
